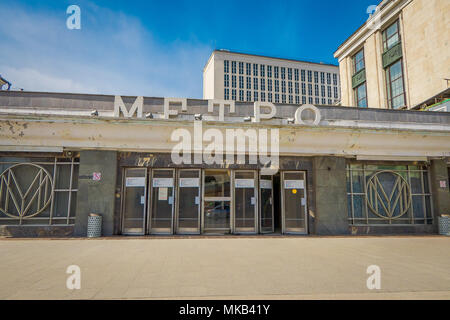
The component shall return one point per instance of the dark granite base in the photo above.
(36, 231)
(392, 230)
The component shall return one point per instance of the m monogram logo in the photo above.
(25, 190)
(388, 195)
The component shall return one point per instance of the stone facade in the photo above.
(425, 40)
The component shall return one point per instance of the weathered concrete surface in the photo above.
(96, 196)
(228, 268)
(330, 192)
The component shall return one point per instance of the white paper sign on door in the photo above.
(189, 182)
(162, 194)
(244, 183)
(135, 182)
(303, 201)
(265, 184)
(294, 184)
(162, 182)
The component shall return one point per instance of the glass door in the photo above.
(216, 201)
(266, 204)
(245, 200)
(188, 202)
(162, 200)
(293, 199)
(133, 201)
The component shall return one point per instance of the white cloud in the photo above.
(113, 53)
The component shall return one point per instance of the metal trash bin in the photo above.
(94, 228)
(444, 225)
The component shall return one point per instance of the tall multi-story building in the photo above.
(244, 77)
(399, 58)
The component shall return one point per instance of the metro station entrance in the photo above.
(212, 201)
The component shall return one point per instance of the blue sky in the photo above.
(159, 48)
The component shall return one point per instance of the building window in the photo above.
(395, 87)
(303, 75)
(275, 71)
(296, 74)
(233, 66)
(304, 89)
(226, 66)
(269, 84)
(277, 98)
(241, 95)
(358, 61)
(263, 70)
(248, 70)
(322, 91)
(249, 83)
(361, 95)
(255, 70)
(283, 86)
(297, 88)
(309, 76)
(263, 96)
(335, 82)
(283, 73)
(226, 80)
(310, 90)
(322, 77)
(328, 78)
(335, 90)
(249, 96)
(233, 81)
(233, 94)
(289, 73)
(381, 194)
(297, 100)
(329, 91)
(263, 84)
(255, 96)
(269, 71)
(303, 99)
(324, 101)
(330, 101)
(269, 96)
(391, 36)
(52, 185)
(283, 98)
(241, 68)
(255, 83)
(277, 85)
(316, 90)
(291, 100)
(241, 82)
(310, 100)
(226, 94)
(317, 100)
(316, 77)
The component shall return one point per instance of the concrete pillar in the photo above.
(96, 196)
(441, 196)
(330, 193)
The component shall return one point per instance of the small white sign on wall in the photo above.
(265, 184)
(162, 182)
(135, 182)
(189, 182)
(294, 184)
(244, 183)
(162, 194)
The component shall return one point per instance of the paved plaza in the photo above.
(226, 268)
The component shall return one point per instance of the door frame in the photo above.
(260, 205)
(162, 231)
(179, 230)
(122, 202)
(235, 229)
(283, 215)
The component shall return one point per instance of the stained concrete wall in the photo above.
(96, 196)
(441, 196)
(330, 191)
